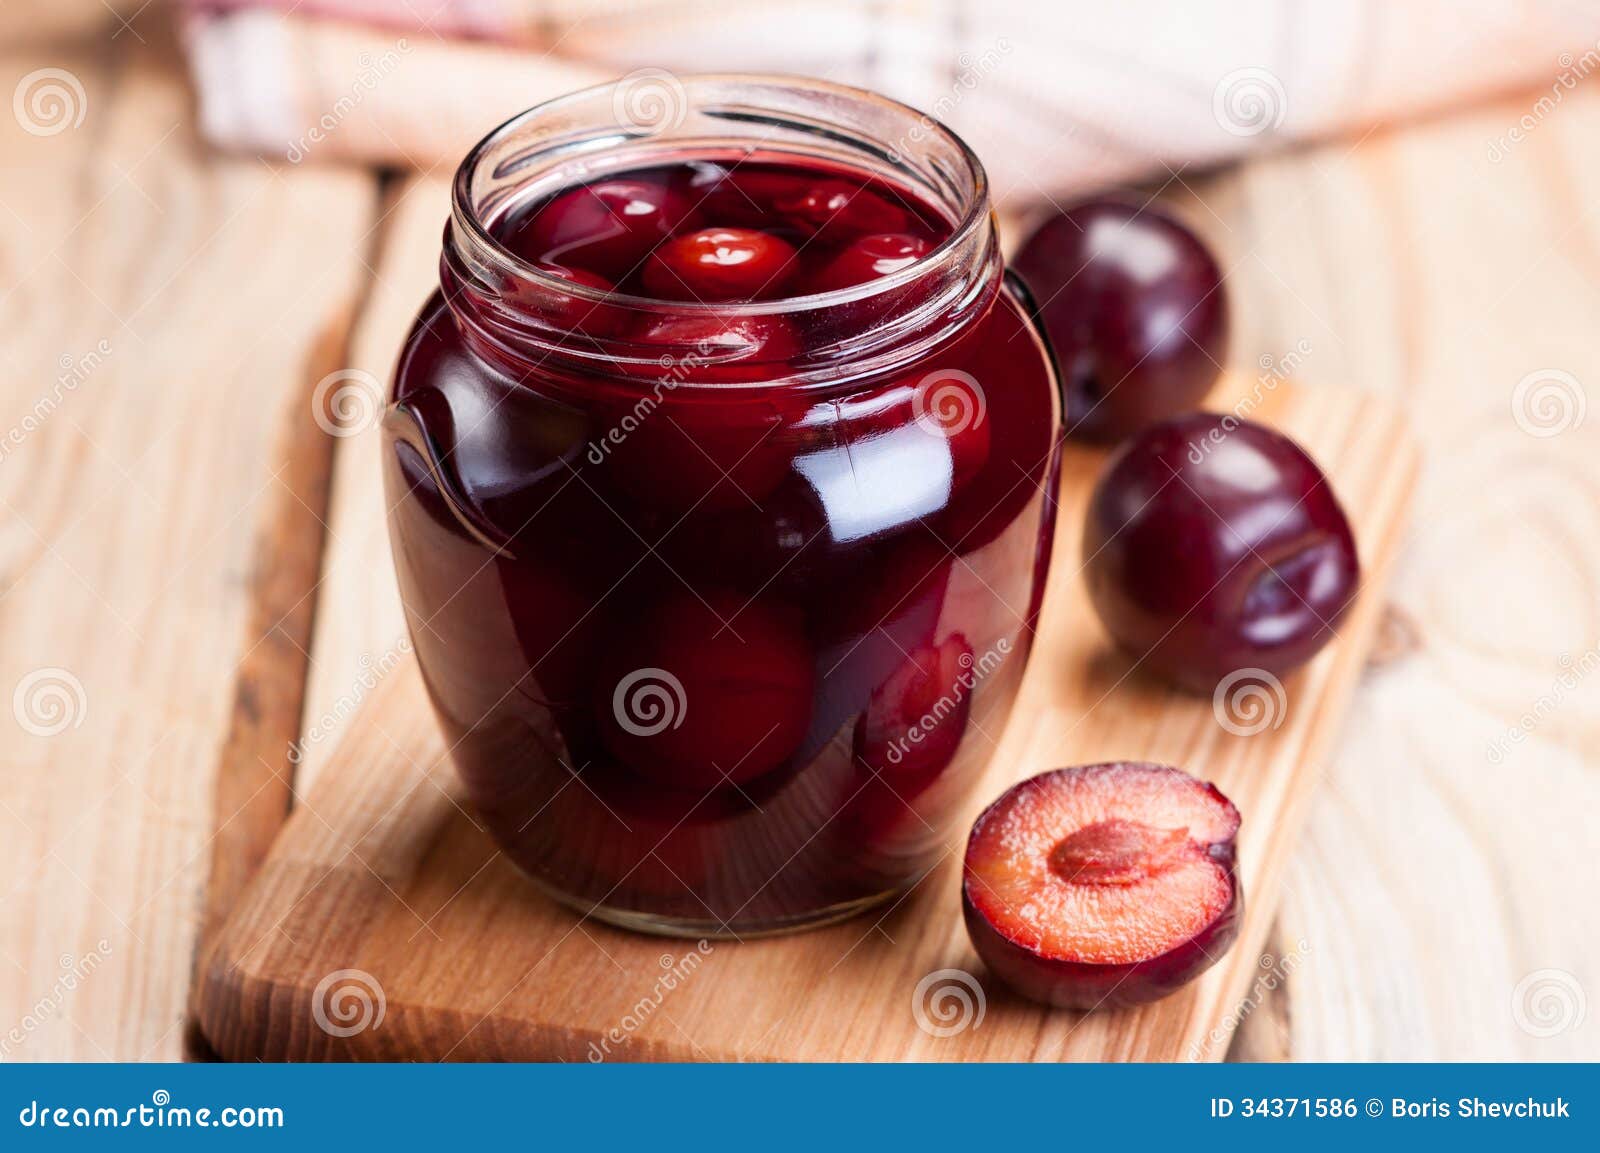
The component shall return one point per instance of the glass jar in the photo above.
(723, 606)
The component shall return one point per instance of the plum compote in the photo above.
(722, 490)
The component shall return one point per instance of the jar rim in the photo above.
(974, 214)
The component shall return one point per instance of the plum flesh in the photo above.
(1100, 886)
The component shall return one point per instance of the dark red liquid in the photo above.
(727, 655)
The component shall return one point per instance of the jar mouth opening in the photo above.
(636, 144)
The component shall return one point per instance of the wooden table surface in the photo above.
(167, 315)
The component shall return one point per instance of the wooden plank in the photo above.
(1347, 248)
(360, 628)
(385, 872)
(163, 310)
(1443, 867)
(84, 25)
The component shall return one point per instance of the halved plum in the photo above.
(1099, 886)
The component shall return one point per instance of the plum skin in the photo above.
(1067, 983)
(1214, 544)
(1084, 985)
(1136, 310)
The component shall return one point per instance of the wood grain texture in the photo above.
(385, 872)
(360, 627)
(1432, 882)
(255, 772)
(85, 26)
(154, 352)
(1442, 885)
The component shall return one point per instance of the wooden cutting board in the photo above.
(385, 924)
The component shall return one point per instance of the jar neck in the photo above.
(522, 318)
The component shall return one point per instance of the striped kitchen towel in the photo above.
(1057, 97)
